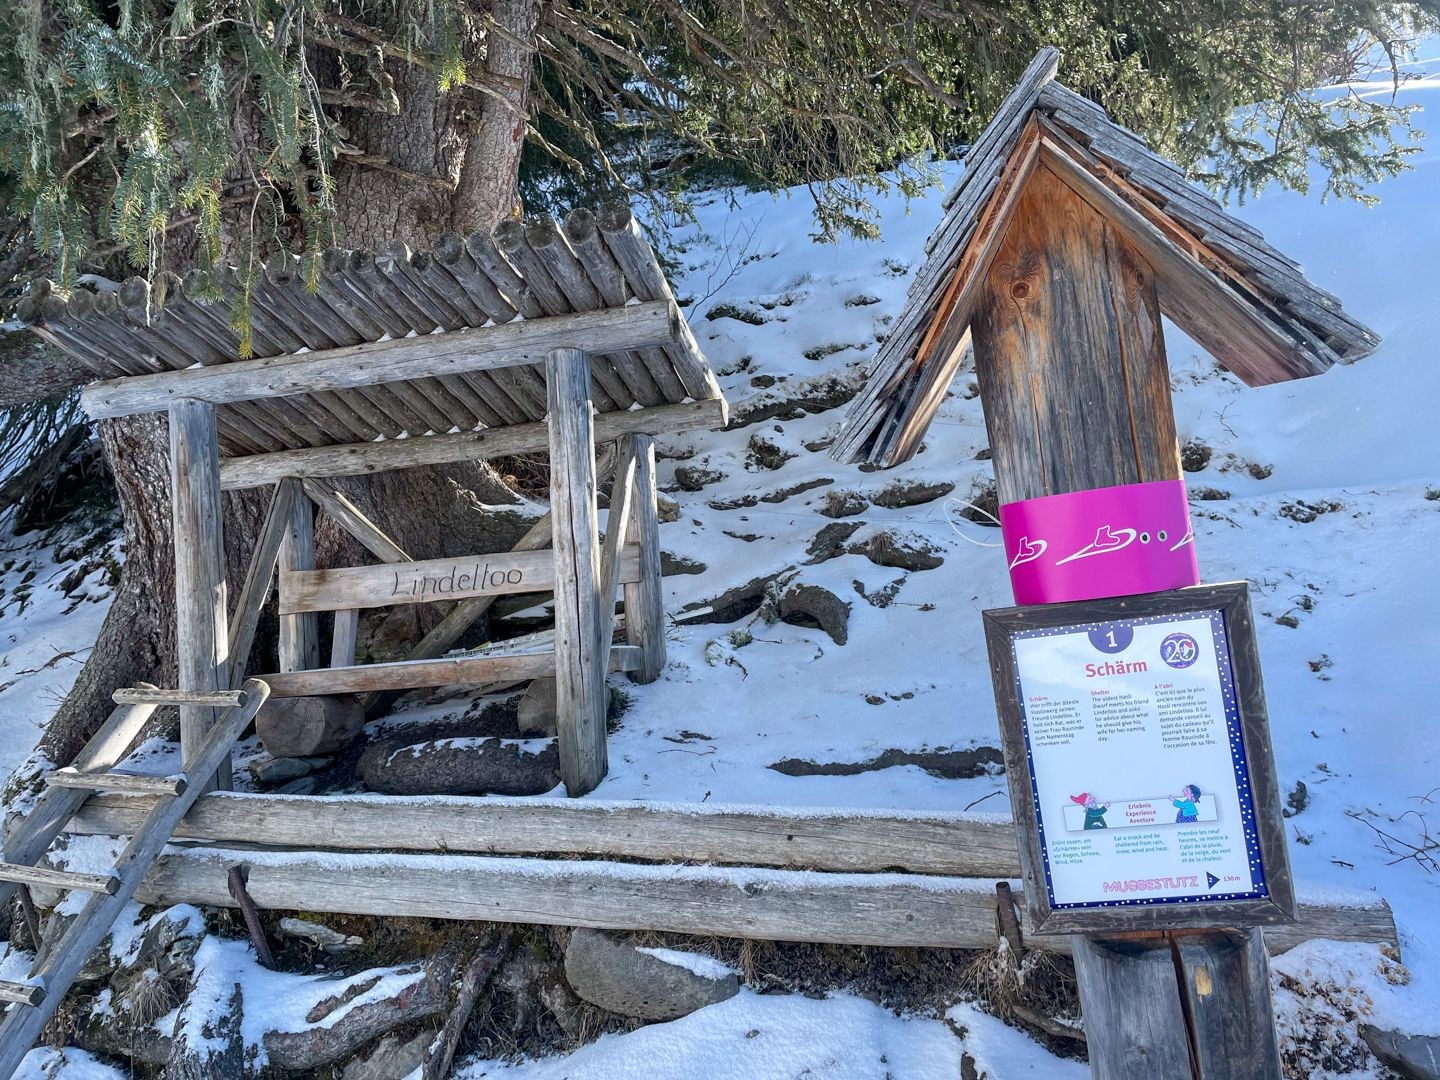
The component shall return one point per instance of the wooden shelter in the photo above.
(1050, 155)
(488, 346)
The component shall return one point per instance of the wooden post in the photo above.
(580, 662)
(1070, 358)
(201, 608)
(299, 633)
(644, 600)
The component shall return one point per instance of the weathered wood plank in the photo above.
(354, 521)
(472, 670)
(344, 633)
(1132, 1013)
(201, 604)
(966, 845)
(1061, 277)
(645, 599)
(617, 532)
(58, 879)
(459, 619)
(782, 905)
(154, 695)
(429, 580)
(114, 780)
(299, 648)
(527, 342)
(581, 695)
(258, 576)
(358, 459)
(1225, 980)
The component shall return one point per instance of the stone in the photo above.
(392, 1058)
(322, 937)
(277, 770)
(621, 978)
(829, 542)
(694, 478)
(1412, 1057)
(666, 509)
(899, 550)
(765, 455)
(670, 565)
(839, 504)
(403, 765)
(536, 713)
(732, 604)
(305, 785)
(1195, 456)
(808, 605)
(904, 493)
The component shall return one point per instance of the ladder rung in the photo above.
(31, 993)
(133, 783)
(153, 695)
(59, 879)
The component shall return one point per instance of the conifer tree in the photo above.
(147, 135)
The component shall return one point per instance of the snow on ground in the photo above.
(1324, 493)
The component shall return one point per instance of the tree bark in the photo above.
(430, 511)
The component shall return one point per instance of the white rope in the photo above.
(951, 513)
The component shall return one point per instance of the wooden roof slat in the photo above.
(1245, 301)
(385, 313)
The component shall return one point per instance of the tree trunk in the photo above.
(429, 512)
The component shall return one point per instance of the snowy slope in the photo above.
(1336, 526)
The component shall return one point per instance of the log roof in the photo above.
(367, 308)
(1245, 302)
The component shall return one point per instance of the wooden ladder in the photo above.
(34, 1001)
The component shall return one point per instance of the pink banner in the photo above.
(1115, 541)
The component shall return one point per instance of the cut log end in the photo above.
(309, 726)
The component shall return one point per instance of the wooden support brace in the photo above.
(581, 694)
(355, 522)
(645, 599)
(259, 576)
(299, 633)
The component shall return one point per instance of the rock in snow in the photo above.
(814, 604)
(392, 1058)
(1414, 1057)
(644, 983)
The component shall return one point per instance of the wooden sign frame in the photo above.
(1232, 602)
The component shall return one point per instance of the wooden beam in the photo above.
(617, 531)
(258, 576)
(355, 522)
(430, 355)
(645, 600)
(201, 605)
(779, 905)
(430, 580)
(581, 695)
(1218, 318)
(343, 637)
(474, 670)
(459, 619)
(358, 459)
(926, 842)
(299, 633)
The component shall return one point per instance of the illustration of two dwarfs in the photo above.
(1184, 804)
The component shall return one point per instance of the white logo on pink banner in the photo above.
(1054, 544)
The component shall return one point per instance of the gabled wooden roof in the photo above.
(1250, 306)
(397, 310)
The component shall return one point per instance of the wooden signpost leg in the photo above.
(1070, 358)
(644, 600)
(580, 660)
(201, 608)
